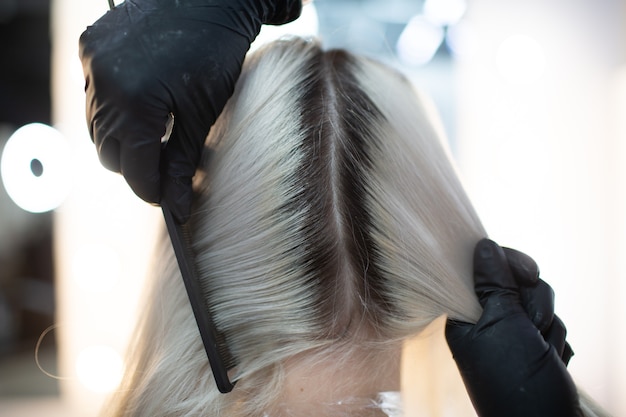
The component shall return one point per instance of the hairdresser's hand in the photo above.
(146, 59)
(513, 361)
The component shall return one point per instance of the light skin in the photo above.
(328, 386)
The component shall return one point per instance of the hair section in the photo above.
(330, 226)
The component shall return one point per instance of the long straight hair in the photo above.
(329, 220)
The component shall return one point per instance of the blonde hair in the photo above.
(330, 223)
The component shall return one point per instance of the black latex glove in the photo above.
(513, 360)
(146, 59)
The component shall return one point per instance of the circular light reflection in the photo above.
(96, 268)
(419, 41)
(99, 368)
(520, 59)
(445, 12)
(35, 168)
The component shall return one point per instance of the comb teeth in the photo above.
(217, 351)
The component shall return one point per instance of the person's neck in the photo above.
(335, 383)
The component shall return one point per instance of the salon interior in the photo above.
(532, 96)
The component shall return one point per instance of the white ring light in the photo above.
(35, 168)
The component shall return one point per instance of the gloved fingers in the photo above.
(456, 331)
(536, 295)
(491, 271)
(538, 301)
(556, 336)
(178, 164)
(135, 76)
(102, 121)
(139, 163)
(284, 11)
(196, 110)
(525, 270)
(126, 113)
(137, 127)
(131, 145)
(109, 154)
(567, 354)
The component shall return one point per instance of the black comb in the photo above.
(214, 343)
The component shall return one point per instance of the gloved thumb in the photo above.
(492, 274)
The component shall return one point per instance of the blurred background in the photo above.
(531, 93)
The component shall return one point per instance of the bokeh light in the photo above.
(99, 368)
(35, 168)
(445, 12)
(461, 40)
(419, 41)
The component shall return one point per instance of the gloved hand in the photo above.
(513, 360)
(147, 59)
